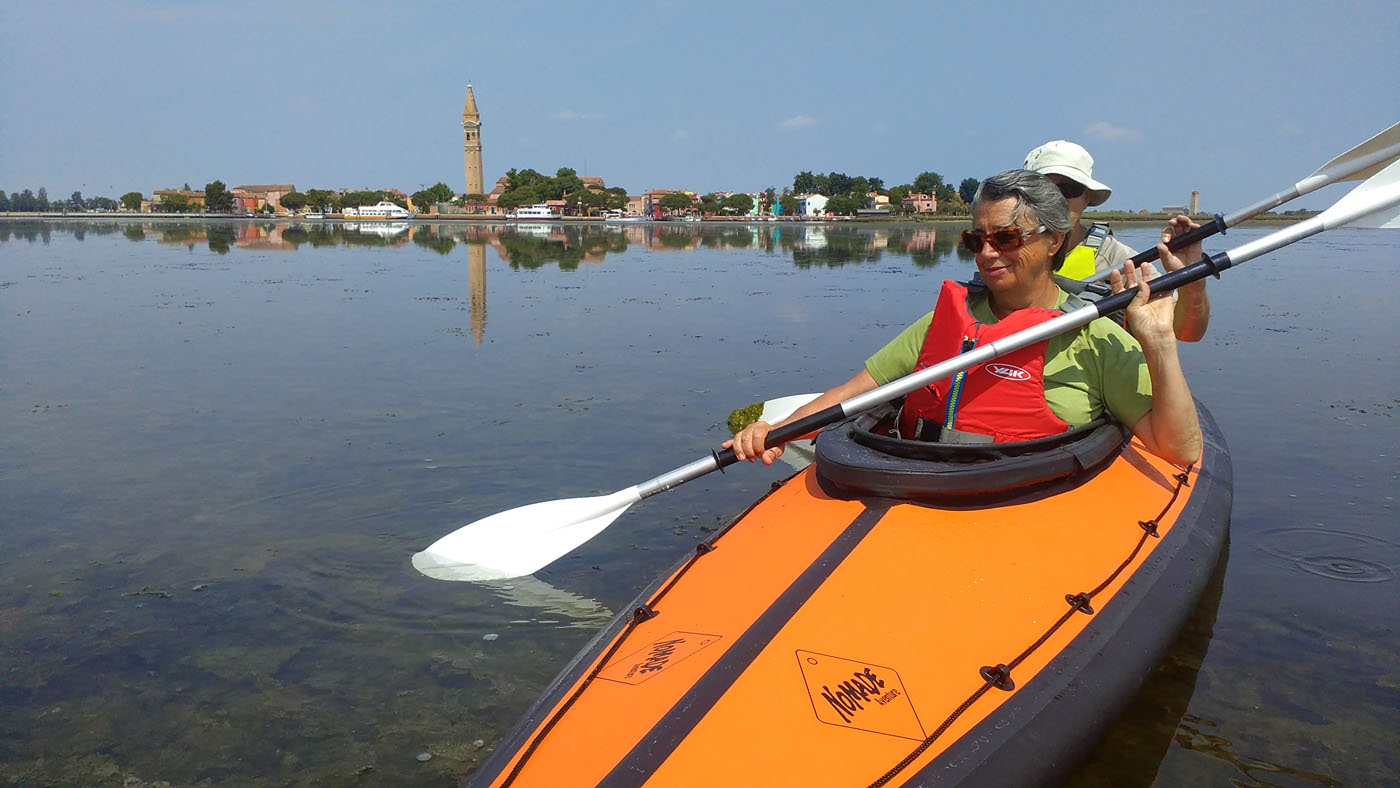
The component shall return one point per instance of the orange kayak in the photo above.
(887, 616)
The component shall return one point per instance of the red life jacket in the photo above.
(1004, 398)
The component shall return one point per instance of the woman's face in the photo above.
(1021, 269)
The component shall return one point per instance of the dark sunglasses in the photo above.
(1003, 240)
(1071, 189)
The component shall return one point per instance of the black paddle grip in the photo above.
(1210, 265)
(1216, 225)
(788, 432)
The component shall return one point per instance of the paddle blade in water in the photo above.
(521, 541)
(776, 410)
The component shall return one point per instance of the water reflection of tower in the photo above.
(476, 286)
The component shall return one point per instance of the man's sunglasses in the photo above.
(1003, 240)
(1071, 189)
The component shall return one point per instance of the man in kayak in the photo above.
(1021, 225)
(1093, 249)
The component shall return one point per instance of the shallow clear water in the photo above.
(220, 444)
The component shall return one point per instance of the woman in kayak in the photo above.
(1021, 224)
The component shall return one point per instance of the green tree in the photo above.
(945, 192)
(131, 201)
(928, 182)
(566, 181)
(76, 201)
(770, 196)
(840, 183)
(102, 204)
(587, 201)
(4, 202)
(952, 205)
(514, 198)
(356, 199)
(43, 199)
(804, 182)
(293, 201)
(844, 204)
(174, 203)
(737, 203)
(474, 198)
(968, 188)
(440, 192)
(789, 205)
(709, 204)
(217, 198)
(323, 199)
(675, 201)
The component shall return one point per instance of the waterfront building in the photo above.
(471, 145)
(252, 198)
(811, 204)
(920, 203)
(194, 199)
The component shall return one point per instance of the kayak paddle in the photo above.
(524, 540)
(1359, 163)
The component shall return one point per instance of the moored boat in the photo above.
(898, 613)
(619, 217)
(383, 209)
(535, 213)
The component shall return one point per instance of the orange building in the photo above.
(251, 199)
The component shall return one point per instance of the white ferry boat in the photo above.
(619, 216)
(536, 212)
(380, 210)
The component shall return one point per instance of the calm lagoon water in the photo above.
(220, 443)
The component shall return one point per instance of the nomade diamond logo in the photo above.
(860, 695)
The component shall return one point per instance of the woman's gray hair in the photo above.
(1037, 198)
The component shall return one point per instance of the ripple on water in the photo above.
(1354, 570)
(1331, 553)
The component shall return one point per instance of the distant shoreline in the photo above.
(1148, 219)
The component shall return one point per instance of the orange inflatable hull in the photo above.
(826, 642)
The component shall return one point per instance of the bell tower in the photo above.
(471, 144)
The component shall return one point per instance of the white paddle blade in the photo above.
(1380, 220)
(1372, 204)
(776, 410)
(1383, 145)
(521, 541)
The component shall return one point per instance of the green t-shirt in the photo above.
(1088, 369)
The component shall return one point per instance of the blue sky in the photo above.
(1236, 99)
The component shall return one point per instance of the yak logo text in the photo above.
(1008, 372)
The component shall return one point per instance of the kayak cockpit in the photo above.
(860, 458)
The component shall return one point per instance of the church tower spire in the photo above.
(471, 144)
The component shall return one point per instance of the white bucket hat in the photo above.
(1061, 157)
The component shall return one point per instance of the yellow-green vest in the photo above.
(1079, 264)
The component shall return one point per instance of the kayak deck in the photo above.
(819, 641)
